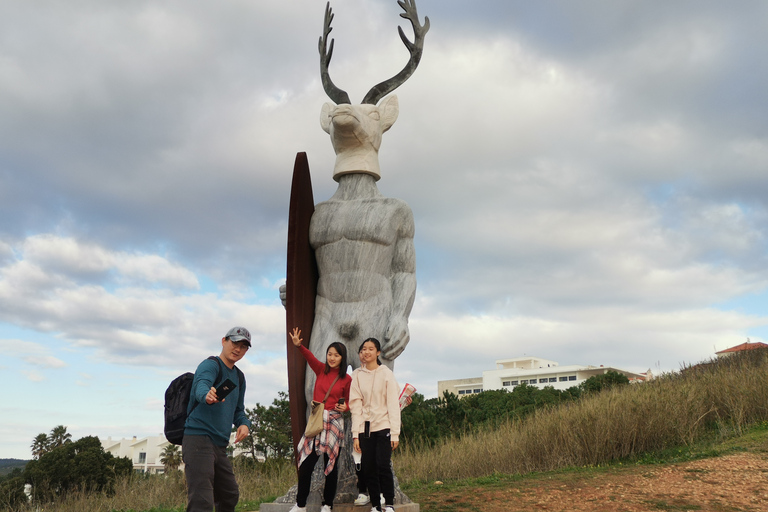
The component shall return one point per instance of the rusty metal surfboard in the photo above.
(300, 288)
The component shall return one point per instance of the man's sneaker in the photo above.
(326, 508)
(297, 508)
(374, 509)
(362, 499)
(389, 508)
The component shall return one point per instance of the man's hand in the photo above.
(357, 446)
(396, 337)
(211, 397)
(242, 433)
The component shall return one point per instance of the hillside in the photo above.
(8, 465)
(728, 477)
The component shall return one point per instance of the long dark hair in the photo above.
(376, 344)
(342, 350)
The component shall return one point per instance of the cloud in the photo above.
(587, 181)
(127, 306)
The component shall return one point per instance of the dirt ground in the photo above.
(730, 483)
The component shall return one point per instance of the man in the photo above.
(210, 479)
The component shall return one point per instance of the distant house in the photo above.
(531, 371)
(145, 452)
(741, 348)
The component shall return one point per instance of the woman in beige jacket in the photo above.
(374, 402)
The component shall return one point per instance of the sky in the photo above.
(588, 182)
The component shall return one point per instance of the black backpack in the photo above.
(177, 401)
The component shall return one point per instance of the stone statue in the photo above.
(363, 241)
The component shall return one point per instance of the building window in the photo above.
(142, 458)
(553, 379)
(542, 381)
(462, 391)
(523, 382)
(478, 391)
(514, 383)
(571, 377)
(563, 379)
(506, 383)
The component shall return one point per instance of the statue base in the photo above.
(337, 507)
(346, 490)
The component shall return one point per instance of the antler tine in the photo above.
(333, 92)
(415, 48)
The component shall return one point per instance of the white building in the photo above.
(532, 371)
(145, 453)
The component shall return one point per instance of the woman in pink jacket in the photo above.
(374, 402)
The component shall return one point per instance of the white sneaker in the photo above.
(326, 508)
(389, 509)
(297, 508)
(362, 499)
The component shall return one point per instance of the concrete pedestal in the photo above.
(338, 507)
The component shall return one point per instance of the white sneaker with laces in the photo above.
(326, 508)
(362, 499)
(297, 508)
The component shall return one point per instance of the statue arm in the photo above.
(397, 335)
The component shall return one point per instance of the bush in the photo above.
(81, 465)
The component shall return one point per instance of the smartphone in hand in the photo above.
(224, 389)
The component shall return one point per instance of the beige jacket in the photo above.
(374, 396)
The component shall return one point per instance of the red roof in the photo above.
(743, 346)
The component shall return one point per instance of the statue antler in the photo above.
(377, 92)
(333, 92)
(416, 48)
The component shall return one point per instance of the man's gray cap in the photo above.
(239, 334)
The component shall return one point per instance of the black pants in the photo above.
(377, 466)
(305, 480)
(210, 480)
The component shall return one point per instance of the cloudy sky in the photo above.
(588, 180)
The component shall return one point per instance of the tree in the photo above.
(271, 429)
(12, 492)
(58, 437)
(39, 446)
(80, 465)
(606, 380)
(171, 458)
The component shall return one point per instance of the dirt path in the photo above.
(736, 482)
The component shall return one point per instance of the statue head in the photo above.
(356, 130)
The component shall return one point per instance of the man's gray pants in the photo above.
(210, 479)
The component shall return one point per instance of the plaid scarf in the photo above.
(328, 441)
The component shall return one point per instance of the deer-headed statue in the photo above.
(356, 130)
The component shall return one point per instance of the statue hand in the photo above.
(396, 338)
(283, 295)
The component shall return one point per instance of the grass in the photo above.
(661, 418)
(703, 411)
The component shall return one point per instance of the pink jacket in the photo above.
(374, 396)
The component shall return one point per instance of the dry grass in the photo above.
(720, 397)
(161, 493)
